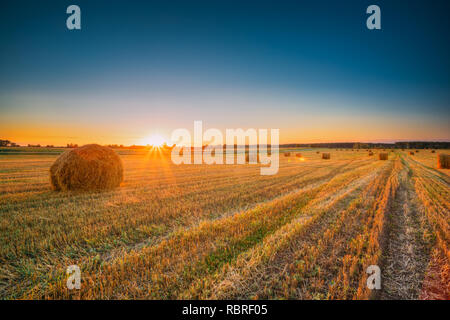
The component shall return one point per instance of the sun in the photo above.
(155, 140)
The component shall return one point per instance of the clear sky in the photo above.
(310, 68)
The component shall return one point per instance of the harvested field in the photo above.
(226, 232)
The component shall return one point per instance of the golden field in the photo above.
(226, 232)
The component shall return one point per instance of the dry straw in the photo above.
(383, 156)
(91, 167)
(326, 156)
(443, 161)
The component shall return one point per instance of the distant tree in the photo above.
(4, 143)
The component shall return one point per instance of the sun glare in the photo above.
(155, 140)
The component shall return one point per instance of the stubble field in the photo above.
(226, 232)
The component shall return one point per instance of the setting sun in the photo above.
(155, 140)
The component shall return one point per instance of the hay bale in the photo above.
(317, 152)
(326, 156)
(383, 156)
(298, 155)
(432, 151)
(443, 161)
(91, 167)
(417, 151)
(247, 158)
(411, 153)
(370, 153)
(287, 154)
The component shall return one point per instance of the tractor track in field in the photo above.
(405, 256)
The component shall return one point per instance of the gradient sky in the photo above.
(310, 68)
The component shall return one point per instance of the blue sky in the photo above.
(310, 68)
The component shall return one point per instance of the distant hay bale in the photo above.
(383, 156)
(298, 155)
(443, 161)
(417, 151)
(247, 158)
(370, 153)
(326, 156)
(411, 153)
(317, 152)
(91, 167)
(432, 151)
(287, 154)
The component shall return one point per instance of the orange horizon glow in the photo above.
(52, 138)
(26, 130)
(59, 136)
(155, 140)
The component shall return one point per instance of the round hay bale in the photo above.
(91, 167)
(383, 156)
(370, 153)
(326, 156)
(298, 155)
(287, 154)
(411, 153)
(247, 158)
(443, 161)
